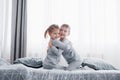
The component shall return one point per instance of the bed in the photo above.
(21, 72)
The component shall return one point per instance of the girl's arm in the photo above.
(56, 51)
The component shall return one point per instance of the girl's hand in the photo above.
(50, 44)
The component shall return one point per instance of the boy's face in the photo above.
(54, 34)
(64, 31)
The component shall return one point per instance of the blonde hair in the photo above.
(50, 29)
(66, 26)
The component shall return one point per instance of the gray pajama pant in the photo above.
(74, 65)
(54, 67)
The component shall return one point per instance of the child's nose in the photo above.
(62, 32)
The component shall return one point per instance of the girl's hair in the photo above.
(50, 29)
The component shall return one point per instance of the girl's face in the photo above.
(54, 34)
(64, 32)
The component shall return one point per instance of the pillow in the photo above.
(30, 62)
(97, 64)
(3, 62)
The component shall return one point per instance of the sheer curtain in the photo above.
(5, 28)
(95, 27)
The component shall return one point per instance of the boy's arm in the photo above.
(60, 44)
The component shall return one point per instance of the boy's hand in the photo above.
(50, 44)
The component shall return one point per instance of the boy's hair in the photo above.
(66, 26)
(50, 29)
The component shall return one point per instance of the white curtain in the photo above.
(5, 28)
(95, 26)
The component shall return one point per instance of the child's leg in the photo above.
(46, 66)
(60, 67)
(74, 65)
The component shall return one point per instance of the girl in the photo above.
(53, 54)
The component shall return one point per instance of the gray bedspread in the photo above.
(21, 72)
(42, 74)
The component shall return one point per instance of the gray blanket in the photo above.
(13, 72)
(42, 74)
(21, 72)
